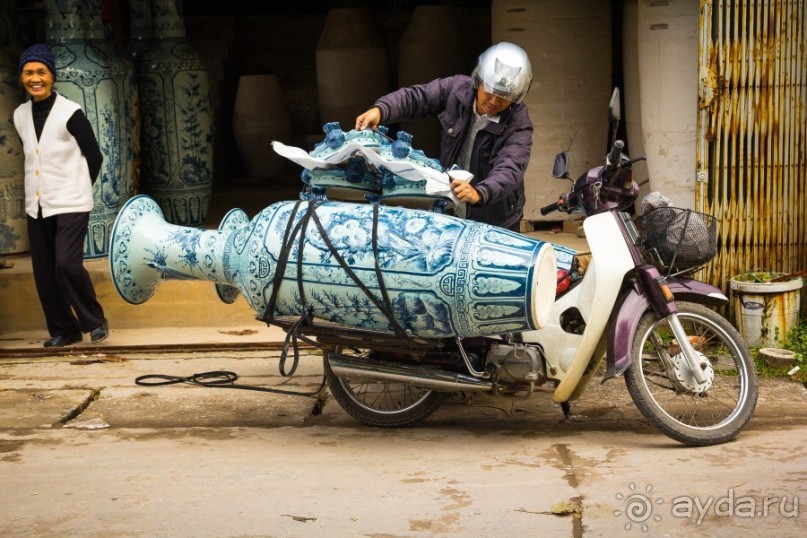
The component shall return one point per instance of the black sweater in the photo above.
(78, 125)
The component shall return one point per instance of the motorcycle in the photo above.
(635, 306)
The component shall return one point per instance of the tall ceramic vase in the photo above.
(176, 140)
(432, 275)
(87, 75)
(421, 60)
(139, 34)
(260, 116)
(123, 73)
(13, 228)
(352, 65)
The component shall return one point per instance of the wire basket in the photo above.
(677, 239)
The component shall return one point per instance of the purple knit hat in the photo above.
(38, 53)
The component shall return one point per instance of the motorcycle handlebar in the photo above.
(550, 208)
(612, 161)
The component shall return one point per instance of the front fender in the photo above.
(632, 306)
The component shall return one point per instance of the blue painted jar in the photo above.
(176, 141)
(88, 75)
(443, 276)
(13, 223)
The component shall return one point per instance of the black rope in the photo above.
(283, 258)
(381, 306)
(399, 331)
(297, 232)
(218, 379)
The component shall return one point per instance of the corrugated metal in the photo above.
(752, 132)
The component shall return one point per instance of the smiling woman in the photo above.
(62, 160)
(37, 79)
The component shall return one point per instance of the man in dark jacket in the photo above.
(485, 129)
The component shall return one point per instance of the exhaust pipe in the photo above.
(430, 378)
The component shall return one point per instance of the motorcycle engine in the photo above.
(517, 363)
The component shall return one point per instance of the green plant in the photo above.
(796, 341)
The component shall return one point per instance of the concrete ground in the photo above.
(86, 451)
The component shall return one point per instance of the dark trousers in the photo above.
(63, 284)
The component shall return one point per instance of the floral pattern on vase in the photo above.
(87, 74)
(176, 120)
(13, 223)
(444, 276)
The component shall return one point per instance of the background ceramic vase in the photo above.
(13, 227)
(176, 141)
(260, 115)
(139, 34)
(123, 73)
(443, 276)
(86, 74)
(431, 47)
(352, 65)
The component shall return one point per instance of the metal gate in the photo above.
(752, 134)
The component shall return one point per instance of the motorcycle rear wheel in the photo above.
(714, 415)
(382, 403)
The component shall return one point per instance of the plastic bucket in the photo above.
(765, 311)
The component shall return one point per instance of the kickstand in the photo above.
(567, 409)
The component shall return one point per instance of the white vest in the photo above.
(57, 176)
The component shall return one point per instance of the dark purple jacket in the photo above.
(501, 150)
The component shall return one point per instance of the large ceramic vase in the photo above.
(123, 72)
(139, 34)
(176, 141)
(442, 276)
(260, 116)
(13, 227)
(352, 65)
(420, 61)
(86, 74)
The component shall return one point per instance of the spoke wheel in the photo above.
(382, 403)
(659, 383)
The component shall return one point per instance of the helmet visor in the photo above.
(505, 81)
(501, 92)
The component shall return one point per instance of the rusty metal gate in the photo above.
(752, 134)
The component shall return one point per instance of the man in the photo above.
(486, 130)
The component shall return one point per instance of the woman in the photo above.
(62, 161)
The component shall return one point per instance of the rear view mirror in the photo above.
(561, 167)
(614, 108)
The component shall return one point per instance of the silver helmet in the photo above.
(504, 70)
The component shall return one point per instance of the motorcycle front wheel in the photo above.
(694, 414)
(381, 403)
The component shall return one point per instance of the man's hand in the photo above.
(465, 192)
(369, 120)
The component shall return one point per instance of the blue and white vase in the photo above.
(86, 74)
(123, 72)
(443, 276)
(139, 34)
(176, 141)
(13, 224)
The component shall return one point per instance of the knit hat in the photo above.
(38, 53)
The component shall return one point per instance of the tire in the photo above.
(382, 403)
(708, 414)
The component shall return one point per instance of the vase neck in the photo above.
(166, 22)
(139, 20)
(93, 24)
(63, 22)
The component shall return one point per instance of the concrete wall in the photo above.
(569, 44)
